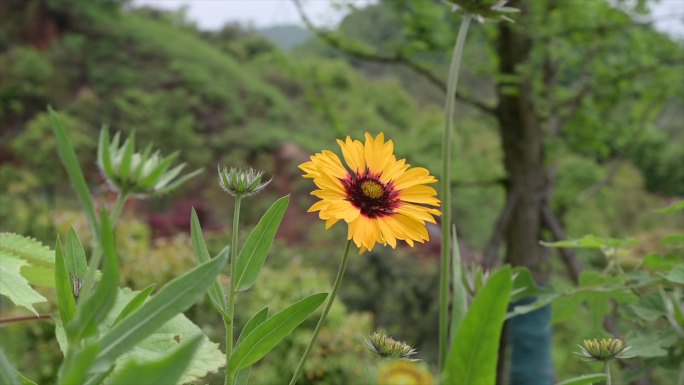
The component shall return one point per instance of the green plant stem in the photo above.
(228, 319)
(28, 318)
(608, 379)
(118, 207)
(445, 260)
(328, 305)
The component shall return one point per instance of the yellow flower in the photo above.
(404, 373)
(381, 198)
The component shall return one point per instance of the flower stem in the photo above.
(608, 380)
(228, 319)
(118, 207)
(445, 261)
(328, 305)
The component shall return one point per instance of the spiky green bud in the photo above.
(482, 10)
(241, 183)
(387, 347)
(138, 173)
(604, 349)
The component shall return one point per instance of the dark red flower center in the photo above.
(372, 197)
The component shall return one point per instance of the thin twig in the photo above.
(26, 318)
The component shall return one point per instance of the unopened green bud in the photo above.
(387, 347)
(241, 183)
(604, 349)
(138, 173)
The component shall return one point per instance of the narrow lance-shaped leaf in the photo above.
(96, 307)
(255, 249)
(175, 297)
(202, 255)
(268, 334)
(7, 373)
(104, 152)
(134, 303)
(473, 357)
(74, 256)
(128, 148)
(68, 156)
(167, 370)
(64, 288)
(587, 379)
(77, 366)
(257, 319)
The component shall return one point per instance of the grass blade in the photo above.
(64, 289)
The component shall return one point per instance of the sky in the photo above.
(213, 14)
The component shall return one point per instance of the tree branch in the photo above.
(568, 256)
(394, 58)
(491, 251)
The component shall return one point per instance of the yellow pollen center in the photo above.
(372, 189)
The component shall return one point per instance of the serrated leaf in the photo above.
(14, 286)
(41, 260)
(587, 379)
(135, 303)
(474, 354)
(178, 329)
(649, 307)
(254, 251)
(257, 319)
(175, 297)
(268, 334)
(676, 275)
(68, 156)
(218, 299)
(95, 308)
(651, 344)
(63, 287)
(166, 370)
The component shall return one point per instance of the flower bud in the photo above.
(138, 173)
(387, 347)
(604, 349)
(241, 183)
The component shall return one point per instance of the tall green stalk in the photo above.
(445, 261)
(228, 319)
(328, 305)
(608, 379)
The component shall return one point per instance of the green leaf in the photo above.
(592, 242)
(676, 275)
(40, 270)
(76, 368)
(95, 308)
(649, 307)
(473, 357)
(104, 157)
(460, 301)
(174, 298)
(74, 256)
(257, 319)
(8, 375)
(587, 379)
(202, 255)
(14, 286)
(678, 206)
(167, 370)
(24, 380)
(268, 334)
(68, 156)
(524, 285)
(661, 262)
(650, 345)
(63, 287)
(255, 249)
(135, 303)
(128, 148)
